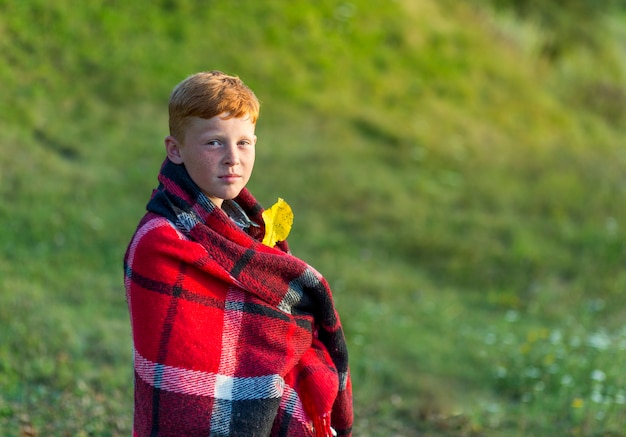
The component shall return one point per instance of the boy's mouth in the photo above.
(229, 177)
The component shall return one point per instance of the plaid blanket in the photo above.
(231, 337)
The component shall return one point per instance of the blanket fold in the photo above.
(231, 337)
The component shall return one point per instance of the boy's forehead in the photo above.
(220, 123)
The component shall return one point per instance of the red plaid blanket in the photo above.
(231, 337)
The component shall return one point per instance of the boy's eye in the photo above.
(213, 143)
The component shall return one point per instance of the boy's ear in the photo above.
(172, 148)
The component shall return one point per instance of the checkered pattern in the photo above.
(231, 337)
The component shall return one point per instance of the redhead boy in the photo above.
(231, 337)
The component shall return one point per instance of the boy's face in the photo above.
(218, 155)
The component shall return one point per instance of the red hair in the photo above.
(208, 94)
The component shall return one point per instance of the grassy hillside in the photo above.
(458, 186)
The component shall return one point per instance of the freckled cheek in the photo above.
(208, 166)
(205, 171)
(250, 162)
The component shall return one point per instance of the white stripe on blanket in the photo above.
(293, 406)
(194, 382)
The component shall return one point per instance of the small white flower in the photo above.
(511, 316)
(596, 397)
(532, 372)
(556, 337)
(501, 372)
(490, 338)
(567, 380)
(598, 375)
(599, 340)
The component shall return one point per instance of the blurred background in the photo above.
(456, 170)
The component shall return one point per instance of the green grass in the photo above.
(459, 189)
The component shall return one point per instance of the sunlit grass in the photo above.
(456, 190)
(561, 377)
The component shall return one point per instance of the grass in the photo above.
(459, 190)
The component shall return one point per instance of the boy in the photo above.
(231, 337)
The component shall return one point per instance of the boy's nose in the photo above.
(232, 155)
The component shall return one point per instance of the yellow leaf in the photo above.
(278, 220)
